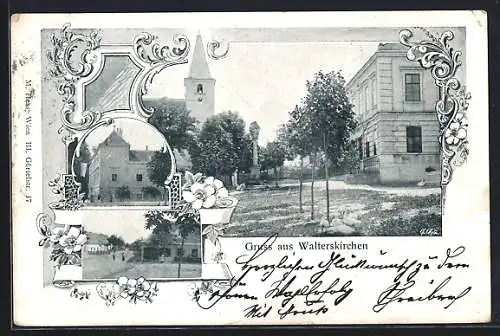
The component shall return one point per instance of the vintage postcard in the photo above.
(250, 168)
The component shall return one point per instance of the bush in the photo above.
(430, 169)
(123, 193)
(151, 192)
(399, 226)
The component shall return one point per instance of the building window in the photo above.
(180, 252)
(138, 177)
(114, 177)
(360, 149)
(194, 253)
(374, 149)
(412, 87)
(414, 139)
(168, 253)
(367, 148)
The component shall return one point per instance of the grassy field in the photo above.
(381, 212)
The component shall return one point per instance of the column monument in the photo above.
(254, 133)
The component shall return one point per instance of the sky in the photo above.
(128, 224)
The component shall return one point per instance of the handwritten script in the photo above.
(293, 286)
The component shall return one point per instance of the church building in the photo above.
(199, 86)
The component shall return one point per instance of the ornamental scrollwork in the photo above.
(443, 61)
(148, 49)
(71, 59)
(157, 56)
(217, 49)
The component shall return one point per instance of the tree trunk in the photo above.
(180, 259)
(326, 180)
(313, 159)
(300, 183)
(276, 176)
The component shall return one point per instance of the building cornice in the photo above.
(371, 60)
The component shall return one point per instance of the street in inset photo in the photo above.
(120, 245)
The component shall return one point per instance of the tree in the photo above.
(296, 133)
(222, 146)
(187, 224)
(159, 168)
(116, 241)
(164, 226)
(273, 156)
(174, 121)
(82, 177)
(350, 161)
(331, 117)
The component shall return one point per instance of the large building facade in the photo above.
(394, 101)
(114, 165)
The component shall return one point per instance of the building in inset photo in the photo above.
(117, 173)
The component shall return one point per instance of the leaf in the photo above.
(212, 237)
(198, 177)
(189, 177)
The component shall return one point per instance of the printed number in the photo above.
(428, 232)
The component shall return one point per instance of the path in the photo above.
(341, 185)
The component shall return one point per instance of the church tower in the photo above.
(199, 86)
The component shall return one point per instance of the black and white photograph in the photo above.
(342, 140)
(254, 170)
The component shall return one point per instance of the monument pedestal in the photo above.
(255, 172)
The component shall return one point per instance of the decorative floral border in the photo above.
(77, 58)
(443, 61)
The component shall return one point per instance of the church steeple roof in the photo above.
(199, 65)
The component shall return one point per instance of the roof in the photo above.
(391, 46)
(182, 159)
(114, 139)
(199, 65)
(97, 238)
(140, 155)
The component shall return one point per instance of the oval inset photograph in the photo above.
(124, 164)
